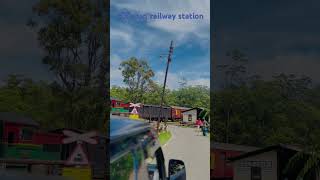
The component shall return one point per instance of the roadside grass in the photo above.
(164, 137)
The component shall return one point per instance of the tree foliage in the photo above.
(140, 88)
(284, 109)
(137, 76)
(72, 33)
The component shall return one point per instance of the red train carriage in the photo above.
(22, 142)
(116, 103)
(21, 139)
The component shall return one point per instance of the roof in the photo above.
(232, 147)
(266, 149)
(178, 107)
(114, 98)
(198, 109)
(123, 127)
(17, 118)
(155, 105)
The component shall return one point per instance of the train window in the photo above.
(11, 137)
(26, 134)
(151, 161)
(189, 117)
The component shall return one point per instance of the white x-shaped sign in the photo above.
(134, 110)
(76, 137)
(135, 105)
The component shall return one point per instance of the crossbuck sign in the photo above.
(134, 111)
(78, 156)
(79, 138)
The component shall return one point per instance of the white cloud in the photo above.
(200, 81)
(123, 36)
(180, 29)
(173, 79)
(303, 64)
(115, 73)
(158, 33)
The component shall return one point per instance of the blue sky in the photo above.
(20, 52)
(277, 36)
(132, 37)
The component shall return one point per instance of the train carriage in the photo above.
(21, 139)
(151, 112)
(148, 111)
(25, 147)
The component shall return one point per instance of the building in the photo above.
(220, 169)
(191, 115)
(15, 128)
(24, 147)
(176, 112)
(268, 164)
(118, 107)
(116, 103)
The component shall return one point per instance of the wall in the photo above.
(222, 169)
(193, 113)
(243, 172)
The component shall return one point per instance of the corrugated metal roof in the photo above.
(266, 149)
(198, 110)
(232, 147)
(155, 105)
(178, 107)
(17, 118)
(114, 98)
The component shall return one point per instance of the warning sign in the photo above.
(83, 173)
(134, 110)
(78, 157)
(73, 137)
(134, 113)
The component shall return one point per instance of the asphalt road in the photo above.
(192, 148)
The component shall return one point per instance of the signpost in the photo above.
(78, 157)
(83, 173)
(134, 113)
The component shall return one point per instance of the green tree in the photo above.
(72, 35)
(119, 92)
(137, 76)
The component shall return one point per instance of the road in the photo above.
(191, 148)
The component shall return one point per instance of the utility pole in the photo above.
(102, 19)
(164, 85)
(103, 7)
